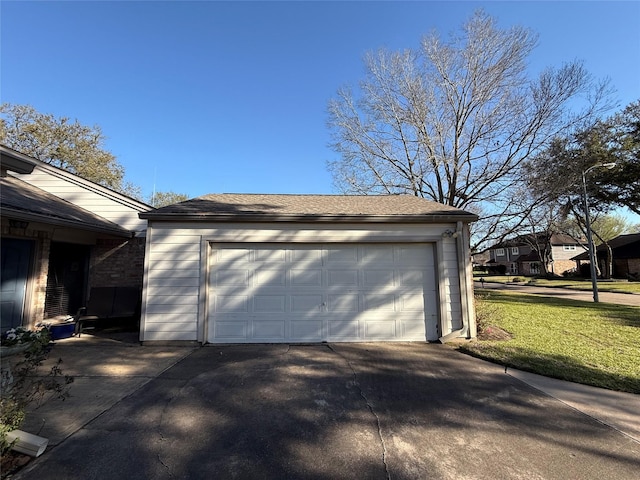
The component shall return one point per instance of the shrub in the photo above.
(485, 312)
(21, 385)
(22, 336)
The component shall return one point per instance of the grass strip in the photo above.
(583, 342)
(614, 286)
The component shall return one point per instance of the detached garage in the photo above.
(236, 268)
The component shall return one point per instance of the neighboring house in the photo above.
(235, 268)
(518, 256)
(62, 235)
(626, 256)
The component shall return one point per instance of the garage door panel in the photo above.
(307, 331)
(346, 329)
(318, 293)
(408, 278)
(269, 278)
(342, 278)
(410, 303)
(269, 329)
(412, 330)
(269, 303)
(230, 330)
(411, 254)
(345, 254)
(343, 303)
(270, 255)
(385, 303)
(306, 257)
(380, 330)
(231, 277)
(232, 303)
(306, 303)
(377, 255)
(378, 278)
(232, 256)
(306, 278)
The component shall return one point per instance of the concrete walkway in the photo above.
(105, 369)
(619, 410)
(631, 299)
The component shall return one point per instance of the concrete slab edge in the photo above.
(148, 378)
(529, 379)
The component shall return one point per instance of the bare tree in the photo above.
(454, 121)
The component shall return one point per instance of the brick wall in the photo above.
(561, 266)
(43, 247)
(624, 267)
(634, 266)
(117, 263)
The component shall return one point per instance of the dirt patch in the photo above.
(12, 462)
(494, 333)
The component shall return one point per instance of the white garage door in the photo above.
(314, 293)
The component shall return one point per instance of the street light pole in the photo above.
(592, 253)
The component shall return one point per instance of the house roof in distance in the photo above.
(623, 246)
(528, 239)
(329, 208)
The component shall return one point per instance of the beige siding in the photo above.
(451, 287)
(175, 283)
(559, 253)
(172, 286)
(98, 200)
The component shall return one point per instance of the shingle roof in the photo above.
(528, 239)
(21, 200)
(623, 246)
(270, 207)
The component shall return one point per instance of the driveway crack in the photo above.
(370, 407)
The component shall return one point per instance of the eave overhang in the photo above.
(17, 214)
(266, 218)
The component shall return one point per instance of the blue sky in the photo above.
(209, 97)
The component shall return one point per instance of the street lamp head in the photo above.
(608, 166)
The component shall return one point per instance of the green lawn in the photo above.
(616, 286)
(583, 342)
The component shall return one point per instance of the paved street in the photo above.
(586, 295)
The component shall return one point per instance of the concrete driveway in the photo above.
(330, 411)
